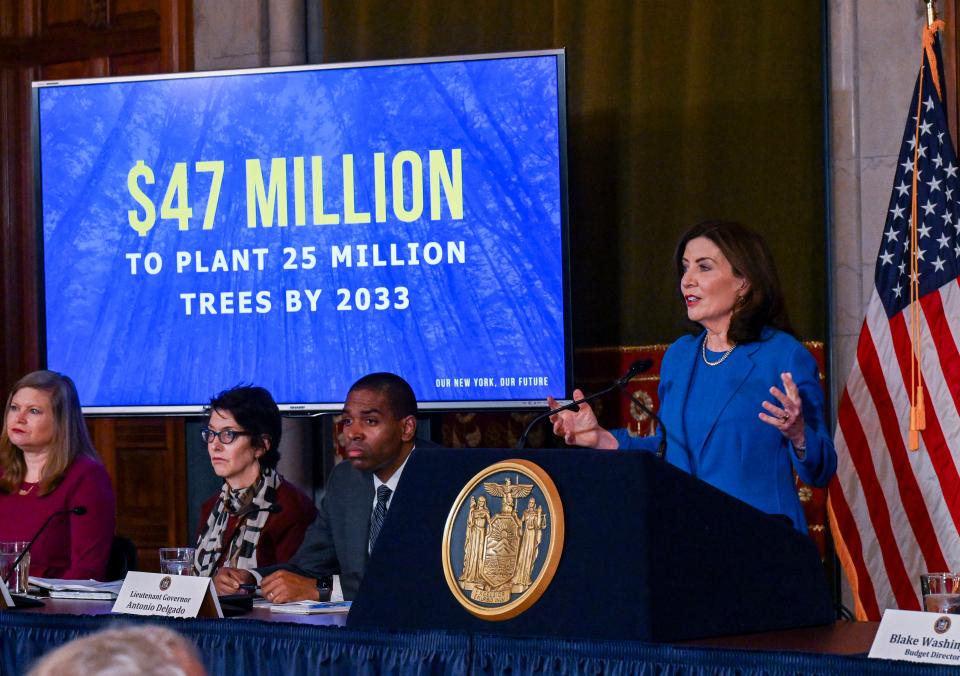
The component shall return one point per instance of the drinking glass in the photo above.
(176, 560)
(941, 592)
(19, 579)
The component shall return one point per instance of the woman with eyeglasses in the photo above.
(258, 518)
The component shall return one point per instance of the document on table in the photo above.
(78, 589)
(311, 607)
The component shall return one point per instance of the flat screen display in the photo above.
(298, 228)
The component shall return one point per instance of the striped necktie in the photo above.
(379, 514)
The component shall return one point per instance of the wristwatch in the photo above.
(324, 588)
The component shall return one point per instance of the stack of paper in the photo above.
(78, 589)
(311, 607)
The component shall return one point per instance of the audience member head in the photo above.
(42, 417)
(146, 650)
(249, 418)
(762, 303)
(379, 423)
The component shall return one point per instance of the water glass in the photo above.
(19, 579)
(941, 592)
(176, 560)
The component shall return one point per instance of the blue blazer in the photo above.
(740, 454)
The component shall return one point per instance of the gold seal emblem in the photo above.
(503, 539)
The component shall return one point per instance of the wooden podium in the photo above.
(650, 554)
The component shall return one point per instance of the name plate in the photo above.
(167, 595)
(6, 601)
(909, 635)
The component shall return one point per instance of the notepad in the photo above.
(311, 607)
(78, 589)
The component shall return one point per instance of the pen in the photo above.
(250, 587)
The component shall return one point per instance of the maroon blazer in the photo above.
(283, 532)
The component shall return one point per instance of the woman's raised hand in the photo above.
(580, 428)
(787, 414)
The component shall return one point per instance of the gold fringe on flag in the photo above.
(918, 421)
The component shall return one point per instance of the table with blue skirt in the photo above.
(265, 643)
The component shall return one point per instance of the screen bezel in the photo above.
(311, 408)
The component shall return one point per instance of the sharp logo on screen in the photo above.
(503, 540)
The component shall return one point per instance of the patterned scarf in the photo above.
(241, 550)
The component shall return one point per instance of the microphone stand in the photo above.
(79, 511)
(572, 406)
(272, 509)
(662, 448)
(242, 517)
(636, 368)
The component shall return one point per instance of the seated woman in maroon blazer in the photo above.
(48, 465)
(237, 527)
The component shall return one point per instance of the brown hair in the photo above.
(70, 436)
(750, 257)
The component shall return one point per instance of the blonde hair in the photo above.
(147, 650)
(70, 436)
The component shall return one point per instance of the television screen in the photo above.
(298, 228)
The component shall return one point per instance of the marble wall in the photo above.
(249, 33)
(874, 54)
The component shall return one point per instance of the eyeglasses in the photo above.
(225, 436)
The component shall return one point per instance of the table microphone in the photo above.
(662, 447)
(273, 509)
(636, 368)
(79, 511)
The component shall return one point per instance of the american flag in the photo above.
(895, 513)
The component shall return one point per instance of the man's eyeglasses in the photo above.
(225, 436)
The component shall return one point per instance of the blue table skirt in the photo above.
(255, 647)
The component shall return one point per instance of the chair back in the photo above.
(123, 558)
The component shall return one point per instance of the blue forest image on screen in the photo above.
(300, 228)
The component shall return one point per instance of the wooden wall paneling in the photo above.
(72, 70)
(135, 64)
(145, 459)
(62, 39)
(18, 239)
(63, 12)
(176, 34)
(949, 43)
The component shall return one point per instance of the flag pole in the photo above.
(931, 12)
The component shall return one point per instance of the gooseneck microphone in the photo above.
(662, 448)
(272, 509)
(79, 511)
(636, 368)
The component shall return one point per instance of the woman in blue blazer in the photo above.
(740, 400)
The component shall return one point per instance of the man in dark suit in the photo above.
(379, 425)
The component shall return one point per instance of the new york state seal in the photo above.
(503, 539)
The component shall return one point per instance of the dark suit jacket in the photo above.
(336, 541)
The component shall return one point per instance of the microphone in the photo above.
(272, 509)
(662, 448)
(79, 511)
(636, 368)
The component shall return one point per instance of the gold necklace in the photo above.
(722, 358)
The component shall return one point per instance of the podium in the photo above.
(650, 554)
